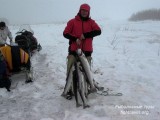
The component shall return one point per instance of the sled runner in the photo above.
(26, 40)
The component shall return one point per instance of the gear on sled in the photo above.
(26, 40)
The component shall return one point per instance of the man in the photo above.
(4, 33)
(80, 31)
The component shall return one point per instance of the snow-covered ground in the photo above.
(126, 59)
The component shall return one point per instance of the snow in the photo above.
(126, 59)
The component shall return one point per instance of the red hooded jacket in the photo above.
(78, 26)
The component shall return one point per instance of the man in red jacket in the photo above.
(80, 32)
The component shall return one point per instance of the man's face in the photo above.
(84, 13)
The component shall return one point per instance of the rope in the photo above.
(107, 93)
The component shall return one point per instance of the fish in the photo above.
(69, 82)
(82, 86)
(87, 70)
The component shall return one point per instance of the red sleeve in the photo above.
(95, 26)
(94, 32)
(67, 33)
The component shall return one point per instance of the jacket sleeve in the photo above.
(94, 32)
(9, 34)
(67, 33)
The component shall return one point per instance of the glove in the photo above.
(78, 41)
(82, 37)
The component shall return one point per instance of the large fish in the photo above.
(87, 70)
(68, 82)
(81, 88)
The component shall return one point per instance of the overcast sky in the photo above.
(48, 11)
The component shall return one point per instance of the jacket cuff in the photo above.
(92, 34)
(68, 36)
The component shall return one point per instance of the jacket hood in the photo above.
(84, 7)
